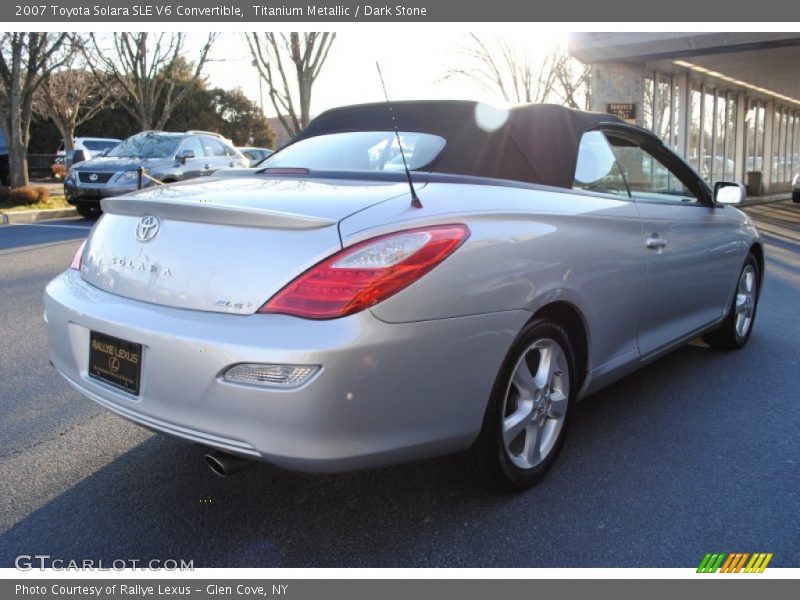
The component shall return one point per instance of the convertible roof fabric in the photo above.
(537, 143)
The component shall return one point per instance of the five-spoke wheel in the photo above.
(735, 330)
(535, 403)
(528, 414)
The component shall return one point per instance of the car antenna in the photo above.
(415, 201)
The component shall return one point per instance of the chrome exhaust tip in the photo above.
(223, 464)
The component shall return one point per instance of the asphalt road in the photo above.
(698, 452)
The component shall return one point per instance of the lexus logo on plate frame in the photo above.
(147, 228)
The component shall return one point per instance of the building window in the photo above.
(647, 113)
(754, 136)
(729, 144)
(661, 107)
(794, 144)
(784, 145)
(695, 112)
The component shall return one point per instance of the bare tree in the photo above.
(71, 97)
(26, 61)
(276, 55)
(573, 78)
(498, 67)
(146, 67)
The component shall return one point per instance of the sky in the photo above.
(412, 65)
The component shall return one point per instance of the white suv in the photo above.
(91, 147)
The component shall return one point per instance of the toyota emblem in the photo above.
(93, 177)
(147, 228)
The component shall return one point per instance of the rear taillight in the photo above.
(78, 258)
(366, 273)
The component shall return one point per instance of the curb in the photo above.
(31, 216)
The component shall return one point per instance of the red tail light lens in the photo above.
(366, 273)
(78, 258)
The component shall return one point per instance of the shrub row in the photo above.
(30, 194)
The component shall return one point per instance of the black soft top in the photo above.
(538, 143)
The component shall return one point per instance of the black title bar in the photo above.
(316, 11)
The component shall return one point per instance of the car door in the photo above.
(607, 239)
(217, 157)
(193, 167)
(692, 251)
(235, 158)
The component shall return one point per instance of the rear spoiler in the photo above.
(205, 212)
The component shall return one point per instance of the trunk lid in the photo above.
(221, 245)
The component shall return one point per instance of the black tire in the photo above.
(489, 459)
(89, 211)
(726, 336)
(796, 197)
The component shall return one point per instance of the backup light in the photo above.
(270, 376)
(366, 273)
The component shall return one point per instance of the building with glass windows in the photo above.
(729, 103)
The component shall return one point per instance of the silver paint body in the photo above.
(411, 377)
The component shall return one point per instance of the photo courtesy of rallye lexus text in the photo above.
(330, 310)
(102, 591)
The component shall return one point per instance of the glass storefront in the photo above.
(785, 149)
(711, 145)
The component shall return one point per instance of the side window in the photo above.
(596, 169)
(229, 151)
(213, 147)
(193, 143)
(648, 179)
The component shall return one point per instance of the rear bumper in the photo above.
(387, 393)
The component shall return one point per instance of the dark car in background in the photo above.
(163, 157)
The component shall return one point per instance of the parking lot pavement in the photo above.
(698, 452)
(23, 236)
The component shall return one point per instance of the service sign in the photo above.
(624, 110)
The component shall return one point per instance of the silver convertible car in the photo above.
(334, 310)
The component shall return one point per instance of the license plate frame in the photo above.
(116, 362)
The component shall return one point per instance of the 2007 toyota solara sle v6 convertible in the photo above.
(369, 296)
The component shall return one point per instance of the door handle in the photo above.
(206, 166)
(656, 242)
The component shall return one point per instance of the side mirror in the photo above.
(78, 156)
(727, 192)
(185, 155)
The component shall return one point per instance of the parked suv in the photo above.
(165, 157)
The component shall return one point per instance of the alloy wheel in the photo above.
(535, 404)
(745, 301)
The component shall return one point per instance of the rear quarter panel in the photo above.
(527, 248)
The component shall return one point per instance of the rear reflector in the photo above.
(271, 376)
(366, 273)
